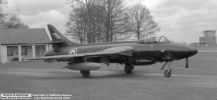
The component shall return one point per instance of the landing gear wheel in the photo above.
(85, 73)
(128, 68)
(168, 73)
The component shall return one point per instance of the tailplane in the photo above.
(58, 40)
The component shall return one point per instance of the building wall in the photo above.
(202, 40)
(26, 53)
(3, 54)
(0, 54)
(22, 54)
(209, 33)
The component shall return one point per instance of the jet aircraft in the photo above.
(87, 57)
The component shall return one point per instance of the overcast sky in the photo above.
(180, 20)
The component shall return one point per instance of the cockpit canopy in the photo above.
(156, 39)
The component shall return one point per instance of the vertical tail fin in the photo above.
(58, 38)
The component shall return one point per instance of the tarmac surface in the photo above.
(199, 82)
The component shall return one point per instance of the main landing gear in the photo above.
(167, 72)
(128, 68)
(85, 73)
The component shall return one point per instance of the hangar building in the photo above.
(18, 44)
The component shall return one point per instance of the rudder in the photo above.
(58, 38)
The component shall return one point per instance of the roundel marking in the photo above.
(162, 50)
(72, 51)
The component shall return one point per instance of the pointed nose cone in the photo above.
(192, 51)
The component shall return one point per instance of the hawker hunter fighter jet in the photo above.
(87, 57)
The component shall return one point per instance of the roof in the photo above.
(23, 36)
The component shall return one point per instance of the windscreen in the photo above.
(156, 39)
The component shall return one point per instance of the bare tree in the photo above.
(115, 19)
(9, 20)
(77, 24)
(13, 21)
(2, 13)
(141, 21)
(85, 21)
(92, 21)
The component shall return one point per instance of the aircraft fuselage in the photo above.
(155, 52)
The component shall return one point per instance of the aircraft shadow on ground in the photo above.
(99, 75)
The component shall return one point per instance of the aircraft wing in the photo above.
(121, 50)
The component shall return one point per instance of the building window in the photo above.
(39, 50)
(10, 51)
(24, 50)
